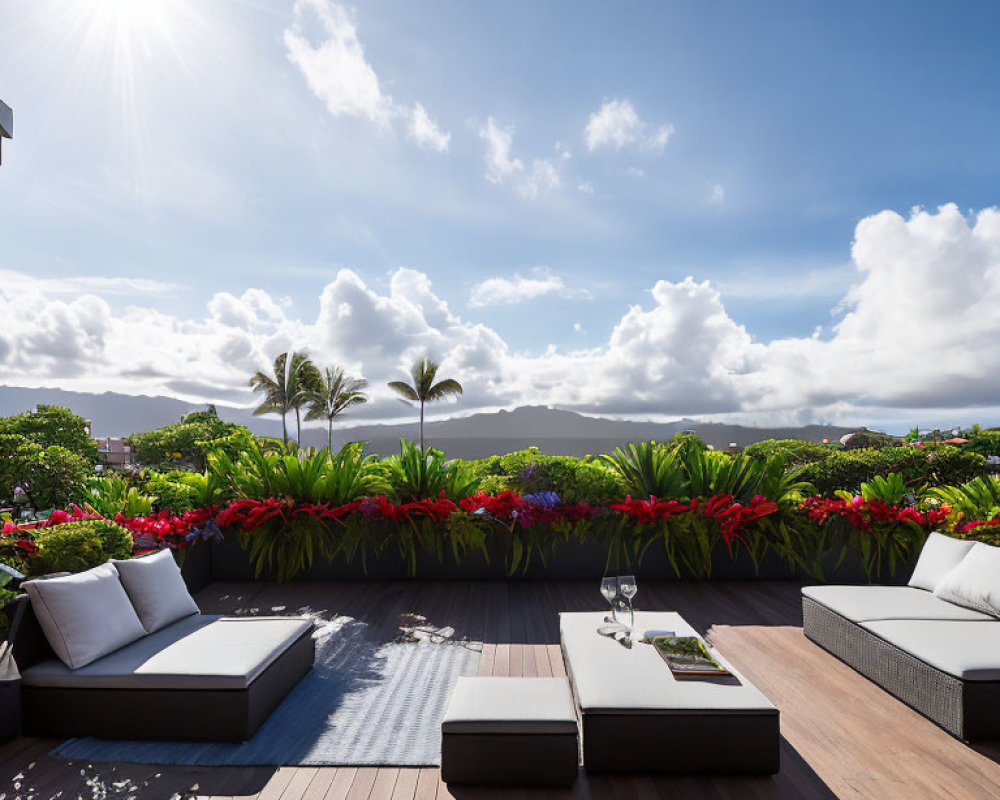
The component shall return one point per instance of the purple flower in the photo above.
(547, 500)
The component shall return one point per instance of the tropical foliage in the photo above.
(332, 396)
(292, 381)
(424, 389)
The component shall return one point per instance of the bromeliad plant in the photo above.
(418, 474)
(285, 497)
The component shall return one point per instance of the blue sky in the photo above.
(545, 167)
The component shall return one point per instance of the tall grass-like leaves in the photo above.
(351, 475)
(419, 474)
(891, 489)
(976, 499)
(648, 469)
(111, 495)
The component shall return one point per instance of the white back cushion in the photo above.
(941, 554)
(156, 589)
(975, 582)
(84, 616)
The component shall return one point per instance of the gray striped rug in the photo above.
(364, 703)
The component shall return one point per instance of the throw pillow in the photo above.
(156, 589)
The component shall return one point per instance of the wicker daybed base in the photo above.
(966, 709)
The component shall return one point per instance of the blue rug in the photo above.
(365, 703)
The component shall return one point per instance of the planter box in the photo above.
(567, 561)
(196, 566)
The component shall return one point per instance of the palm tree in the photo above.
(287, 389)
(335, 393)
(424, 390)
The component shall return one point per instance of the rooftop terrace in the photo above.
(842, 736)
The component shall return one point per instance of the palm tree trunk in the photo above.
(284, 429)
(329, 437)
(298, 428)
(421, 426)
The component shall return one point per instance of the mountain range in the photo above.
(553, 431)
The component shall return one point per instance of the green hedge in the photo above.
(530, 471)
(934, 466)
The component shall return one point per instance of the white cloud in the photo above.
(323, 43)
(636, 172)
(425, 131)
(506, 291)
(718, 194)
(19, 283)
(586, 187)
(502, 167)
(616, 124)
(918, 333)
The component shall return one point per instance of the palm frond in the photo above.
(444, 388)
(404, 390)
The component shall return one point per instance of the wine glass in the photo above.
(609, 588)
(628, 588)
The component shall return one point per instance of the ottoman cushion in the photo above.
(510, 705)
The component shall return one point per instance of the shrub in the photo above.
(985, 442)
(112, 495)
(796, 452)
(51, 476)
(172, 491)
(189, 440)
(847, 470)
(76, 546)
(531, 471)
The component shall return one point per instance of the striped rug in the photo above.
(365, 703)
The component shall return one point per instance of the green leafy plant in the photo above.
(649, 469)
(975, 499)
(111, 495)
(77, 546)
(891, 489)
(418, 474)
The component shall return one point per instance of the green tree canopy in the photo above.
(51, 426)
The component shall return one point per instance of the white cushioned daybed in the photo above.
(121, 651)
(935, 643)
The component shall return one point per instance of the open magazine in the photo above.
(687, 656)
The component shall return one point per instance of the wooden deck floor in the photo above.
(842, 736)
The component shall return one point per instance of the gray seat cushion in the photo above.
(197, 652)
(966, 650)
(612, 679)
(510, 705)
(865, 603)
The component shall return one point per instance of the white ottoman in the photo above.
(510, 731)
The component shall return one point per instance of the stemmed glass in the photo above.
(609, 589)
(628, 588)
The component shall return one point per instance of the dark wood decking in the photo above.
(842, 736)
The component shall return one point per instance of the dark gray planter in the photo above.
(564, 561)
(196, 565)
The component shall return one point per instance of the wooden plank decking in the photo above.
(842, 736)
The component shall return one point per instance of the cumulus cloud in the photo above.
(617, 125)
(323, 43)
(916, 330)
(506, 291)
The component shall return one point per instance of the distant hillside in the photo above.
(563, 433)
(552, 430)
